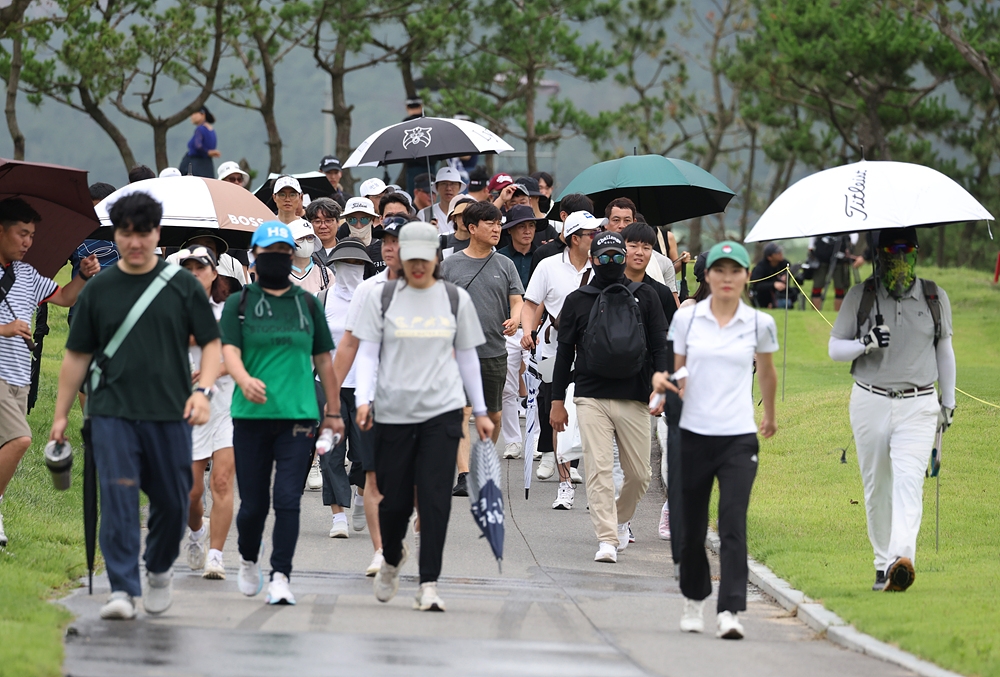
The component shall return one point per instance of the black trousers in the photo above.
(733, 459)
(675, 478)
(420, 455)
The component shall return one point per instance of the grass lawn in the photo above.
(807, 517)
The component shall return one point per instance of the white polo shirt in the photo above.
(718, 396)
(553, 280)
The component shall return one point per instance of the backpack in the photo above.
(389, 288)
(615, 339)
(868, 302)
(827, 247)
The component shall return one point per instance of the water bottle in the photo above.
(59, 460)
(656, 400)
(327, 441)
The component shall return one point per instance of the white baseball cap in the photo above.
(301, 228)
(170, 171)
(449, 174)
(372, 187)
(360, 205)
(230, 168)
(582, 220)
(419, 240)
(286, 182)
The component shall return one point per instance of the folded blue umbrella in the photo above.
(485, 495)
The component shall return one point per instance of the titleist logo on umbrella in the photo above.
(417, 136)
(854, 200)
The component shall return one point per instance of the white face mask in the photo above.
(349, 276)
(304, 249)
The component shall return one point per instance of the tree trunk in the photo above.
(748, 191)
(530, 139)
(13, 81)
(341, 111)
(406, 70)
(98, 116)
(694, 237)
(160, 145)
(940, 247)
(274, 143)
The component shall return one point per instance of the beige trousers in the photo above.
(599, 421)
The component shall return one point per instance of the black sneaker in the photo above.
(900, 575)
(879, 581)
(461, 486)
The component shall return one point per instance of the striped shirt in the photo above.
(29, 291)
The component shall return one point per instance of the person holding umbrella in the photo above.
(420, 337)
(896, 359)
(447, 184)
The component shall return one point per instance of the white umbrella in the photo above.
(531, 425)
(866, 196)
(425, 138)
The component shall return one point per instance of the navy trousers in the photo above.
(154, 457)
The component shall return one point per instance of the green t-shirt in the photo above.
(149, 378)
(279, 336)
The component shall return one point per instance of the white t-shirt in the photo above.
(666, 268)
(553, 280)
(336, 310)
(228, 266)
(361, 297)
(433, 212)
(718, 396)
(194, 352)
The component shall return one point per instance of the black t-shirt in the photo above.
(149, 378)
(573, 325)
(764, 290)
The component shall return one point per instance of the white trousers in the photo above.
(894, 440)
(510, 423)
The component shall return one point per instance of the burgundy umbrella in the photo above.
(62, 197)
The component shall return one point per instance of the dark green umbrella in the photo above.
(663, 189)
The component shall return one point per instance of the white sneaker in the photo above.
(158, 588)
(547, 467)
(358, 520)
(693, 618)
(339, 528)
(214, 568)
(197, 549)
(376, 564)
(622, 536)
(427, 598)
(606, 552)
(512, 450)
(386, 582)
(564, 499)
(665, 521)
(729, 626)
(574, 476)
(278, 591)
(250, 580)
(3, 534)
(315, 480)
(119, 607)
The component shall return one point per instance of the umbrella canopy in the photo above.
(531, 426)
(663, 189)
(866, 196)
(195, 203)
(314, 184)
(425, 138)
(485, 496)
(61, 197)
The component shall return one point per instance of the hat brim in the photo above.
(329, 168)
(221, 245)
(349, 254)
(203, 260)
(425, 251)
(726, 257)
(516, 222)
(246, 177)
(371, 213)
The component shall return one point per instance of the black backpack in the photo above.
(828, 246)
(615, 340)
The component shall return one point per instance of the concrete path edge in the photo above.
(825, 622)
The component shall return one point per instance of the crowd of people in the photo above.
(347, 350)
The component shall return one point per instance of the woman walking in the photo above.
(212, 441)
(274, 333)
(715, 345)
(419, 335)
(201, 147)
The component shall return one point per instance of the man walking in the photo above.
(894, 412)
(447, 184)
(616, 352)
(140, 402)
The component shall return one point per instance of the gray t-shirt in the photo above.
(418, 376)
(910, 360)
(490, 282)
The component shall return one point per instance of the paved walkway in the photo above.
(553, 611)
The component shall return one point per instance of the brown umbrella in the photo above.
(61, 196)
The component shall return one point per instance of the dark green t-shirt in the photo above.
(149, 378)
(279, 336)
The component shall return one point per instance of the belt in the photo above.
(898, 394)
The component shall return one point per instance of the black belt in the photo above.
(898, 394)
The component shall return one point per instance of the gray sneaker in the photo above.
(119, 607)
(358, 520)
(386, 583)
(158, 592)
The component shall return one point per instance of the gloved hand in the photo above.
(945, 417)
(876, 339)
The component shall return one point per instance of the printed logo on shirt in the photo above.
(423, 327)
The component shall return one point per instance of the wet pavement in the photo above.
(553, 611)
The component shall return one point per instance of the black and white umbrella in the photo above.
(428, 139)
(485, 495)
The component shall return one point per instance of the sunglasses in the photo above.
(354, 220)
(900, 248)
(605, 259)
(394, 221)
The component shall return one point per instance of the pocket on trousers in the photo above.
(452, 426)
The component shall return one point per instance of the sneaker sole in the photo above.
(213, 575)
(900, 575)
(692, 628)
(607, 560)
(339, 534)
(432, 607)
(731, 633)
(119, 613)
(399, 568)
(284, 601)
(561, 506)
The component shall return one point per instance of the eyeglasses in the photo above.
(354, 220)
(289, 195)
(605, 259)
(900, 248)
(394, 221)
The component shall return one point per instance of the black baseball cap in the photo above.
(329, 163)
(890, 236)
(478, 178)
(607, 242)
(531, 186)
(391, 225)
(422, 182)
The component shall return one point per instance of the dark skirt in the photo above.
(197, 166)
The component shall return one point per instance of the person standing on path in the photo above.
(420, 339)
(715, 345)
(495, 287)
(447, 184)
(894, 411)
(201, 147)
(612, 361)
(140, 410)
(274, 334)
(288, 198)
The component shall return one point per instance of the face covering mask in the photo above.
(304, 249)
(898, 272)
(273, 269)
(349, 276)
(363, 233)
(610, 272)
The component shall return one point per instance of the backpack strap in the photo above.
(321, 297)
(865, 305)
(452, 290)
(241, 308)
(934, 306)
(387, 290)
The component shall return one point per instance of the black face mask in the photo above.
(273, 269)
(610, 272)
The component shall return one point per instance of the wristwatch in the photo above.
(207, 392)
